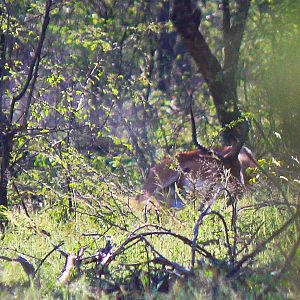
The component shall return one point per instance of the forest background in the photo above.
(92, 94)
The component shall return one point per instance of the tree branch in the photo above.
(260, 247)
(226, 19)
(187, 21)
(233, 35)
(198, 224)
(34, 64)
(3, 47)
(221, 82)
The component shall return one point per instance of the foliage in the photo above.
(268, 74)
(111, 96)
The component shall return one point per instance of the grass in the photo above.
(133, 273)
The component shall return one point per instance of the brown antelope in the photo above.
(197, 169)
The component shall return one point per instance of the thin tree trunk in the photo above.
(6, 147)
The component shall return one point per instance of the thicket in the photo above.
(93, 93)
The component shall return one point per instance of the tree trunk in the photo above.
(5, 135)
(221, 81)
(6, 141)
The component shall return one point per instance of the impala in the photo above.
(196, 170)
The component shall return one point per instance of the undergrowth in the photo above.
(153, 251)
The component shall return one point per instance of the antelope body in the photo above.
(196, 169)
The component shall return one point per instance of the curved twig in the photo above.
(230, 252)
(199, 222)
(140, 236)
(48, 254)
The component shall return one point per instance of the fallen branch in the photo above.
(26, 265)
(140, 236)
(66, 274)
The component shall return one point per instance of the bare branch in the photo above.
(3, 47)
(164, 261)
(26, 265)
(187, 21)
(134, 237)
(199, 222)
(48, 254)
(226, 18)
(66, 274)
(219, 215)
(262, 245)
(233, 36)
(34, 64)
